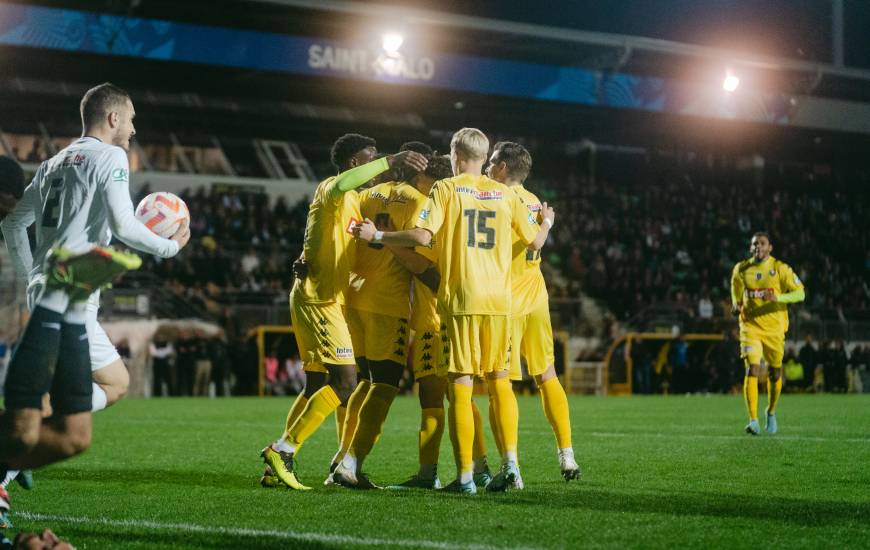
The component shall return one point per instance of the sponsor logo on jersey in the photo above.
(351, 224)
(392, 199)
(534, 207)
(120, 175)
(344, 353)
(480, 195)
(424, 214)
(74, 160)
(757, 292)
(533, 219)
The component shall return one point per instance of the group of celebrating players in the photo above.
(436, 260)
(443, 263)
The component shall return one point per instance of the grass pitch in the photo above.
(658, 472)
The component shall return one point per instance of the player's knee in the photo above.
(114, 380)
(77, 441)
(774, 373)
(343, 386)
(313, 382)
(386, 372)
(752, 370)
(432, 391)
(548, 374)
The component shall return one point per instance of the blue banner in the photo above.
(94, 33)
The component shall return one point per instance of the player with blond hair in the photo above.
(472, 218)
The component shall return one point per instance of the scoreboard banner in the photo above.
(96, 33)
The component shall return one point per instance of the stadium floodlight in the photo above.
(392, 41)
(731, 82)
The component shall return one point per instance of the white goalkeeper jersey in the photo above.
(79, 197)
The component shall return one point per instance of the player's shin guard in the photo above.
(555, 404)
(479, 448)
(351, 418)
(773, 391)
(750, 396)
(372, 416)
(33, 363)
(322, 404)
(505, 403)
(431, 432)
(461, 421)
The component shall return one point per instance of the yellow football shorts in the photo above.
(321, 334)
(430, 351)
(532, 337)
(379, 337)
(755, 345)
(478, 343)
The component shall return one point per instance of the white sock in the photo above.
(480, 465)
(99, 399)
(466, 477)
(10, 475)
(349, 462)
(283, 446)
(54, 300)
(567, 452)
(428, 471)
(510, 457)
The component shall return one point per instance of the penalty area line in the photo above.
(254, 533)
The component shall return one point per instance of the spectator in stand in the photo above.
(202, 365)
(793, 372)
(184, 362)
(161, 351)
(808, 356)
(836, 362)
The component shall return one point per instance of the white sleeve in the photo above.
(15, 226)
(115, 184)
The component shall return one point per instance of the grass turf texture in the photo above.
(658, 472)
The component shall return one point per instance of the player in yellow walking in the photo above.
(317, 301)
(378, 309)
(761, 289)
(473, 218)
(532, 332)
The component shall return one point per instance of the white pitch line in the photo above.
(661, 435)
(261, 533)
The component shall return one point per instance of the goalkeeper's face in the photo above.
(760, 248)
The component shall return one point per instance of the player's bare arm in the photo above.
(548, 216)
(408, 238)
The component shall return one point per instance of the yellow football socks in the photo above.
(493, 427)
(507, 411)
(555, 404)
(351, 418)
(479, 447)
(773, 391)
(321, 405)
(461, 421)
(750, 396)
(431, 431)
(372, 415)
(295, 411)
(340, 414)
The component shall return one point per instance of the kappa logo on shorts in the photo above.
(747, 348)
(344, 353)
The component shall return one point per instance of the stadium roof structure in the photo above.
(608, 86)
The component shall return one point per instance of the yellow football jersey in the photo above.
(329, 245)
(378, 282)
(527, 282)
(474, 218)
(749, 280)
(424, 307)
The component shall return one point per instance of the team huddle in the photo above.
(439, 255)
(407, 256)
